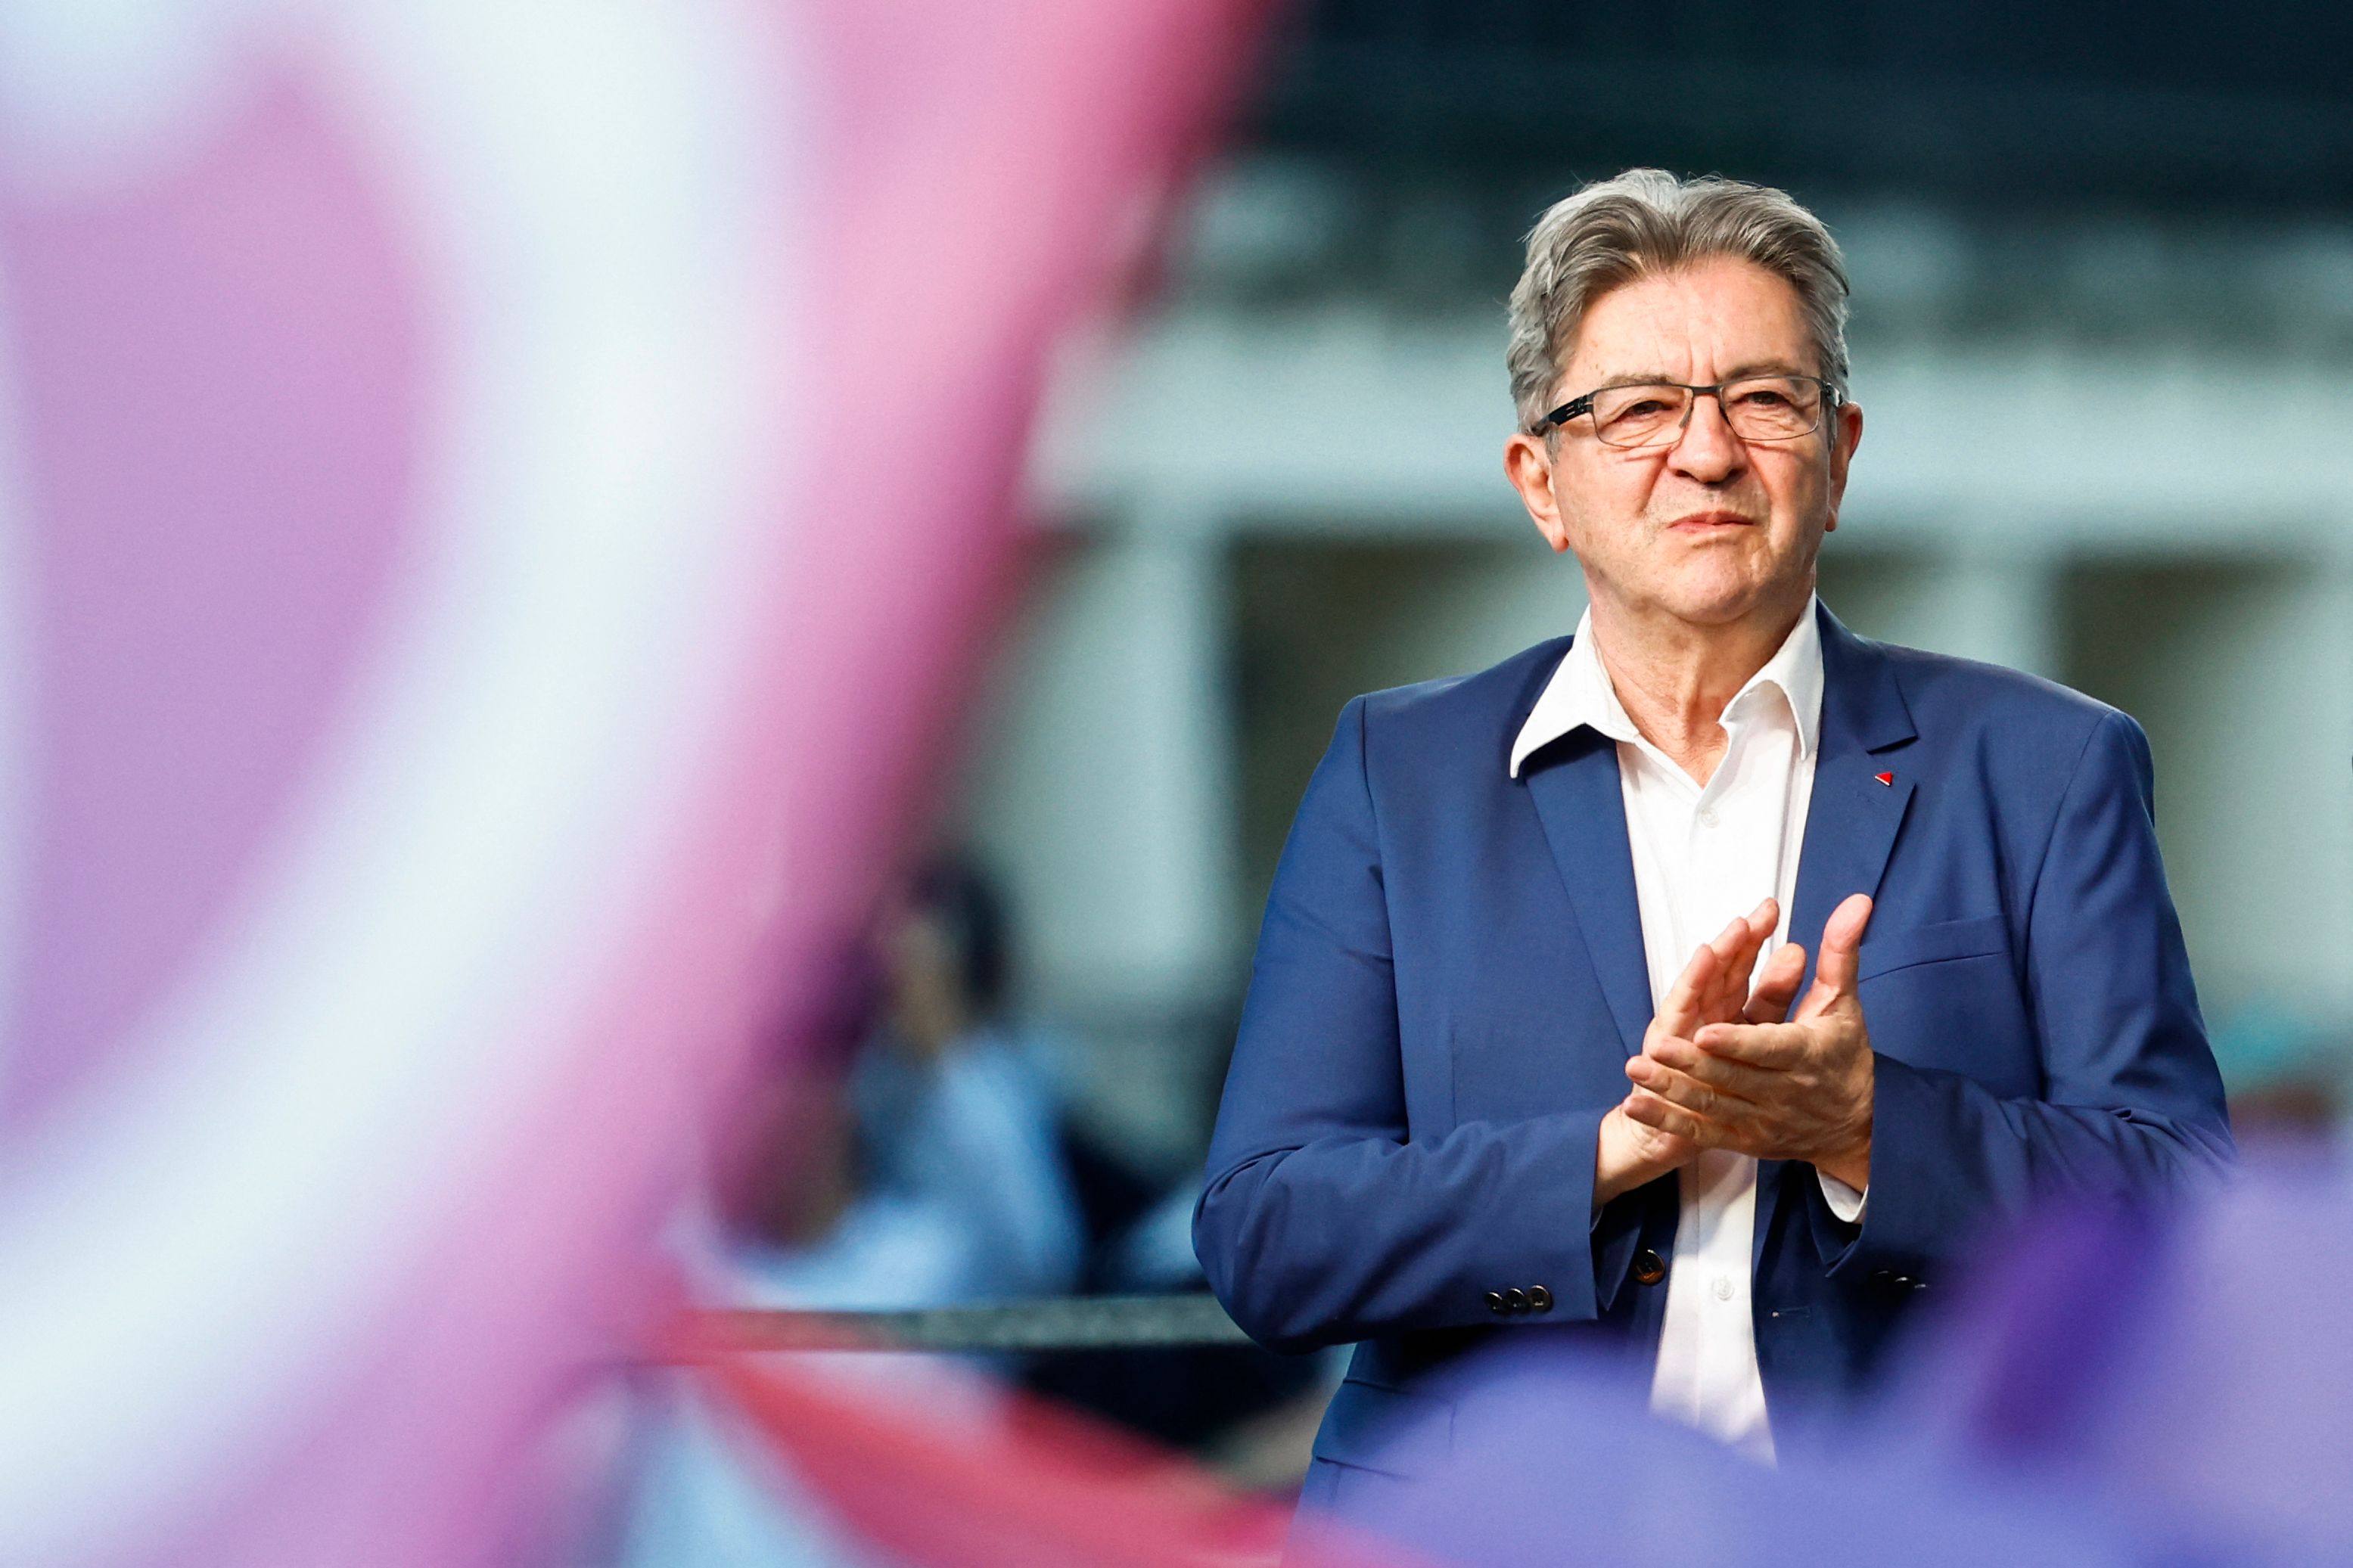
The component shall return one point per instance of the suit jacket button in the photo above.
(1648, 1267)
(1539, 1298)
(1495, 1301)
(1515, 1299)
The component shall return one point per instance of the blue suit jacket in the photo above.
(1450, 977)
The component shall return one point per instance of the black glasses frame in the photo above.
(1832, 398)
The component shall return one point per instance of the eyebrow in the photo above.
(1660, 377)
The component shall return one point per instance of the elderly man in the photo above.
(1709, 979)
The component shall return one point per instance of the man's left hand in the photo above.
(1794, 1091)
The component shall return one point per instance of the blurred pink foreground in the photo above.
(497, 506)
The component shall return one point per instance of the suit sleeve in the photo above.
(1320, 1221)
(2132, 1103)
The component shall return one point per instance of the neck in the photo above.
(1674, 678)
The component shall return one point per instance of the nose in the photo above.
(1707, 451)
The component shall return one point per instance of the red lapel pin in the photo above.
(1887, 779)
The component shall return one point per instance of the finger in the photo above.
(1648, 1108)
(1655, 1144)
(1736, 949)
(1834, 973)
(1730, 970)
(1744, 1081)
(1718, 988)
(1775, 1046)
(1776, 987)
(1746, 933)
(1682, 1089)
(1679, 1010)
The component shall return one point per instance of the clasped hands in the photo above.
(1726, 1066)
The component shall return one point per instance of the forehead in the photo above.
(1692, 323)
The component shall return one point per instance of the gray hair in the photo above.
(1647, 221)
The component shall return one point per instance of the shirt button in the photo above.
(1708, 816)
(1724, 1286)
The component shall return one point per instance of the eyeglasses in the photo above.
(1655, 413)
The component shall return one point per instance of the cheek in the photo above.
(1799, 494)
(1603, 501)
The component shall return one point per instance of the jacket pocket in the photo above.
(1374, 1427)
(1982, 936)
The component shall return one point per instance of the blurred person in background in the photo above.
(1519, 1055)
(912, 1159)
(925, 1169)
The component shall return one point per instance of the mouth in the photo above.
(1705, 522)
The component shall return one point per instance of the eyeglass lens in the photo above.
(1759, 408)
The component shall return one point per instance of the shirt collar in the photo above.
(1579, 693)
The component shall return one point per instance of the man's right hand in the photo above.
(1712, 989)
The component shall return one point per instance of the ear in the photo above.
(1528, 464)
(1846, 435)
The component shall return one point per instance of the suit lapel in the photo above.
(1853, 819)
(1852, 823)
(1574, 784)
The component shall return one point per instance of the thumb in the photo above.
(1834, 972)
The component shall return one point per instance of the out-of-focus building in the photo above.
(2103, 336)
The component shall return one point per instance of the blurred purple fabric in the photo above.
(2184, 1379)
(2116, 1386)
(1569, 1466)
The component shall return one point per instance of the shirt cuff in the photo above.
(1844, 1201)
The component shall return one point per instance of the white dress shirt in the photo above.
(1704, 857)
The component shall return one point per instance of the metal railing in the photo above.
(1058, 1323)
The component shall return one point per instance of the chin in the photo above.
(1712, 603)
